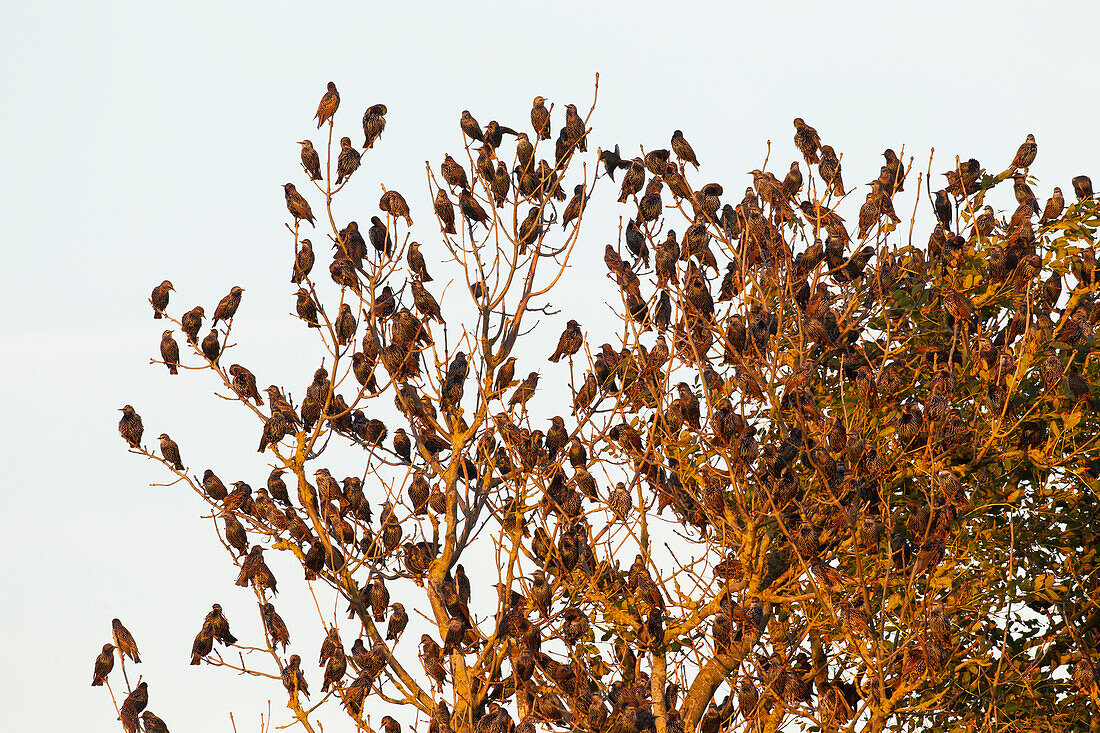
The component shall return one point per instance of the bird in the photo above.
(540, 118)
(445, 211)
(394, 204)
(159, 298)
(1025, 155)
(896, 182)
(170, 352)
(191, 322)
(570, 341)
(311, 160)
(416, 263)
(293, 679)
(1082, 187)
(633, 180)
(348, 161)
(104, 663)
(398, 620)
(330, 102)
(211, 349)
(402, 445)
(202, 645)
(171, 453)
(574, 127)
(472, 210)
(374, 122)
(806, 140)
(1056, 204)
(683, 149)
(574, 208)
(470, 128)
(275, 626)
(124, 641)
(505, 373)
(829, 167)
(525, 391)
(153, 724)
(135, 702)
(425, 302)
(244, 384)
(307, 308)
(303, 262)
(297, 205)
(344, 326)
(612, 161)
(379, 236)
(227, 306)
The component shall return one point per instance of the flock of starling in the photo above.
(767, 386)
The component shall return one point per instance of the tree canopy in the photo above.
(824, 473)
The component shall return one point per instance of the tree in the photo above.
(819, 477)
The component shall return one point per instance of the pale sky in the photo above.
(147, 141)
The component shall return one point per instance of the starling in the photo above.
(330, 101)
(297, 205)
(574, 208)
(683, 149)
(612, 161)
(470, 128)
(471, 209)
(211, 349)
(274, 625)
(159, 298)
(219, 626)
(275, 429)
(620, 502)
(896, 182)
(227, 306)
(1025, 156)
(124, 642)
(453, 175)
(203, 645)
(303, 262)
(444, 209)
(633, 180)
(394, 204)
(574, 128)
(806, 140)
(525, 391)
(344, 325)
(170, 352)
(311, 161)
(398, 620)
(1023, 192)
(1082, 187)
(402, 446)
(557, 437)
(570, 341)
(135, 702)
(104, 663)
(171, 453)
(425, 302)
(191, 322)
(277, 487)
(829, 168)
(416, 263)
(943, 209)
(153, 724)
(374, 122)
(348, 162)
(1054, 208)
(379, 236)
(792, 182)
(244, 383)
(307, 308)
(504, 375)
(540, 118)
(293, 679)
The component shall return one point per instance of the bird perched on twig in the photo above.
(330, 102)
(311, 160)
(297, 205)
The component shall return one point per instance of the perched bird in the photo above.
(307, 308)
(374, 122)
(348, 162)
(402, 446)
(806, 140)
(683, 149)
(227, 306)
(633, 180)
(394, 204)
(574, 208)
(612, 161)
(570, 341)
(1056, 204)
(330, 102)
(153, 724)
(1025, 156)
(379, 236)
(829, 168)
(104, 663)
(416, 263)
(444, 209)
(219, 626)
(344, 326)
(133, 705)
(170, 352)
(540, 118)
(311, 160)
(398, 620)
(202, 645)
(1082, 187)
(303, 262)
(425, 302)
(274, 625)
(171, 453)
(896, 179)
(191, 322)
(505, 374)
(211, 348)
(472, 210)
(297, 205)
(124, 641)
(470, 128)
(293, 679)
(574, 128)
(244, 384)
(159, 298)
(525, 391)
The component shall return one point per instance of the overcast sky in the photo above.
(146, 141)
